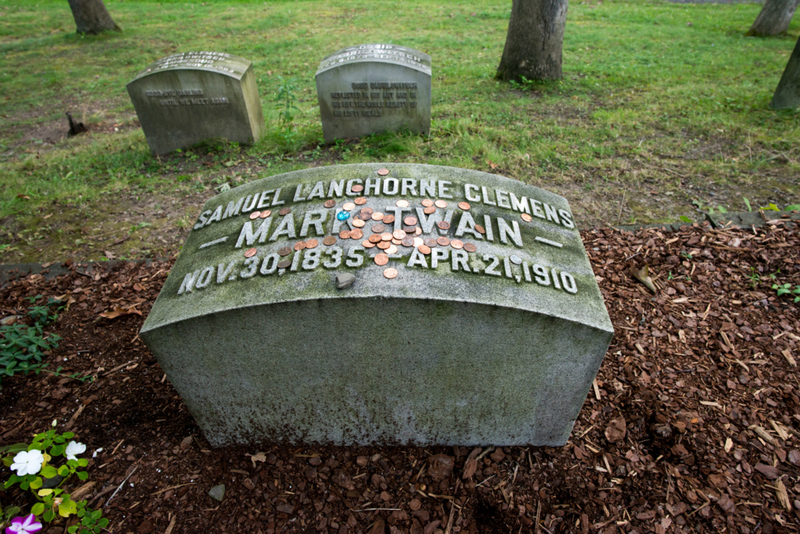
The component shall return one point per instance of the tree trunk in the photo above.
(91, 16)
(787, 95)
(774, 17)
(535, 37)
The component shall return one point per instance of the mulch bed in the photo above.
(692, 426)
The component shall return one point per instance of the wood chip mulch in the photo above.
(692, 425)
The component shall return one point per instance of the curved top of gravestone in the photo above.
(219, 62)
(383, 53)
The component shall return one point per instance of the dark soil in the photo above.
(692, 426)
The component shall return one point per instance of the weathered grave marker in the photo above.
(187, 98)
(374, 88)
(473, 317)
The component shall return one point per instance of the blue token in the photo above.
(343, 215)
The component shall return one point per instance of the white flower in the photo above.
(74, 448)
(27, 462)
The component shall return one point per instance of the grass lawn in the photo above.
(662, 112)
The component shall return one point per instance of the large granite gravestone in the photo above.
(374, 88)
(184, 99)
(396, 304)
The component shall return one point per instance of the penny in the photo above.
(366, 244)
(285, 211)
(424, 249)
(300, 245)
(410, 229)
(408, 242)
(377, 216)
(427, 202)
(344, 234)
(285, 251)
(356, 234)
(398, 234)
(347, 206)
(383, 245)
(329, 203)
(381, 259)
(526, 217)
(390, 273)
(388, 219)
(330, 240)
(429, 210)
(361, 201)
(396, 241)
(374, 238)
(418, 231)
(312, 243)
(378, 228)
(250, 252)
(444, 225)
(440, 204)
(383, 172)
(283, 264)
(418, 242)
(431, 241)
(265, 214)
(365, 216)
(392, 249)
(386, 236)
(480, 229)
(357, 188)
(366, 211)
(402, 203)
(410, 221)
(464, 206)
(469, 247)
(443, 241)
(457, 244)
(516, 260)
(255, 215)
(358, 223)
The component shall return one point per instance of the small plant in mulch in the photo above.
(23, 346)
(43, 470)
(786, 289)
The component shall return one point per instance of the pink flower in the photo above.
(24, 525)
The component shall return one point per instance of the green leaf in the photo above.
(36, 483)
(49, 515)
(83, 462)
(68, 435)
(63, 470)
(37, 508)
(82, 475)
(685, 219)
(72, 529)
(49, 471)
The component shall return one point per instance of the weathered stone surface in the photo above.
(187, 98)
(374, 88)
(492, 345)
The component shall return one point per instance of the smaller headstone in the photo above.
(217, 492)
(187, 98)
(374, 88)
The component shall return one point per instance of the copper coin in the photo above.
(330, 240)
(410, 221)
(381, 259)
(455, 243)
(390, 273)
(480, 229)
(396, 241)
(329, 203)
(250, 252)
(366, 211)
(386, 236)
(285, 211)
(427, 202)
(383, 172)
(283, 264)
(392, 249)
(285, 251)
(464, 206)
(255, 215)
(366, 244)
(356, 234)
(358, 223)
(408, 242)
(377, 216)
(425, 249)
(361, 201)
(443, 241)
(444, 225)
(265, 214)
(431, 242)
(312, 243)
(383, 245)
(429, 210)
(469, 247)
(402, 203)
(398, 234)
(344, 234)
(418, 242)
(388, 219)
(410, 229)
(440, 204)
(300, 245)
(374, 238)
(526, 217)
(347, 206)
(357, 188)
(418, 231)
(365, 216)
(378, 228)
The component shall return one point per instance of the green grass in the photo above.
(660, 103)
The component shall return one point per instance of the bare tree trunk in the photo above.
(534, 41)
(91, 16)
(774, 17)
(787, 95)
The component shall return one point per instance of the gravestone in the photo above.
(187, 98)
(374, 88)
(390, 304)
